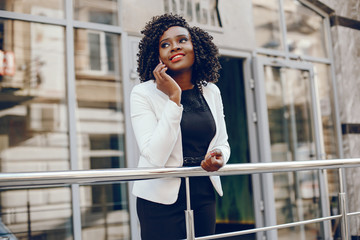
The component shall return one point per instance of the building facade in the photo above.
(289, 82)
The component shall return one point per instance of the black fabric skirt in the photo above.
(167, 222)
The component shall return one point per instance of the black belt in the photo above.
(192, 161)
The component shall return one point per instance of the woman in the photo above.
(178, 120)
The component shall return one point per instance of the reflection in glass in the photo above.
(101, 132)
(33, 127)
(104, 212)
(267, 25)
(48, 8)
(196, 11)
(32, 95)
(292, 139)
(305, 30)
(104, 11)
(36, 214)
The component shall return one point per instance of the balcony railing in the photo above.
(59, 178)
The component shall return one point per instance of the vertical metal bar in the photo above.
(70, 80)
(253, 143)
(335, 102)
(320, 153)
(119, 13)
(267, 181)
(283, 28)
(344, 220)
(131, 153)
(71, 104)
(75, 196)
(189, 215)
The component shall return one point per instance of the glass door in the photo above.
(287, 104)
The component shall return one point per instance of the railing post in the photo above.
(189, 215)
(344, 219)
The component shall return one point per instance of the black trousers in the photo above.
(167, 222)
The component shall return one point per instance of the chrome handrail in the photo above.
(36, 179)
(58, 178)
(262, 229)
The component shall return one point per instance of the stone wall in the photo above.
(346, 49)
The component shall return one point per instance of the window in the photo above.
(104, 11)
(96, 55)
(101, 132)
(49, 8)
(197, 12)
(34, 129)
(267, 24)
(304, 30)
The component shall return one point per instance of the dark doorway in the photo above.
(235, 210)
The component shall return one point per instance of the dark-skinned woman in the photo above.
(178, 121)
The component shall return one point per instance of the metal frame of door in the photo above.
(265, 214)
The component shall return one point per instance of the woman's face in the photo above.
(176, 49)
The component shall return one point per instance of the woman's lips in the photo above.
(177, 57)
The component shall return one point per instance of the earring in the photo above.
(199, 86)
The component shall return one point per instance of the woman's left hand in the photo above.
(213, 161)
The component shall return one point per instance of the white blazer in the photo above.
(156, 124)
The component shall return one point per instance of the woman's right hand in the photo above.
(167, 84)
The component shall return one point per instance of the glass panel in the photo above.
(94, 54)
(196, 11)
(298, 233)
(267, 25)
(305, 30)
(33, 116)
(36, 214)
(95, 11)
(104, 212)
(97, 53)
(48, 8)
(33, 127)
(101, 132)
(292, 139)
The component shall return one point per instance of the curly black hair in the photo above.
(206, 65)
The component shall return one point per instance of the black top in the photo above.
(197, 127)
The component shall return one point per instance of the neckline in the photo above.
(189, 90)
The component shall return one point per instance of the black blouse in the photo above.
(197, 127)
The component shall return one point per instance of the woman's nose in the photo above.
(175, 47)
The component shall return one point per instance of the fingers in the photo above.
(213, 161)
(212, 164)
(166, 83)
(159, 71)
(215, 152)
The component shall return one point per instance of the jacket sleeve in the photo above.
(222, 140)
(156, 138)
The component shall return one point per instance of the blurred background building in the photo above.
(290, 85)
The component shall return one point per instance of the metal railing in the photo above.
(60, 178)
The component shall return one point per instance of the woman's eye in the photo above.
(183, 40)
(164, 45)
